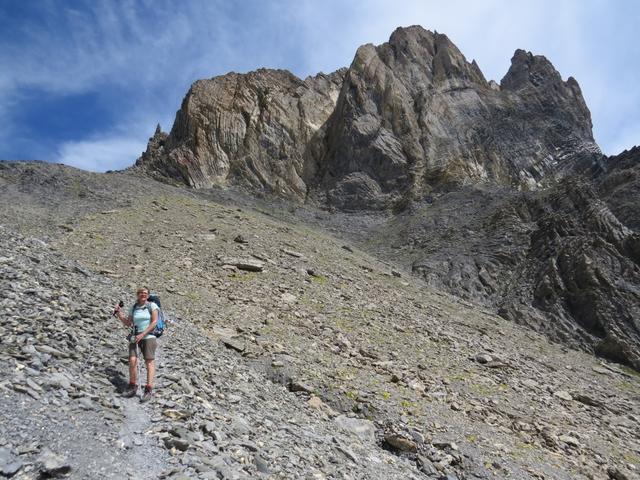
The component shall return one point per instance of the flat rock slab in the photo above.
(248, 264)
(235, 344)
(364, 429)
(564, 395)
(292, 253)
(401, 443)
(52, 465)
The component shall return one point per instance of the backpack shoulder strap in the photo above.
(144, 307)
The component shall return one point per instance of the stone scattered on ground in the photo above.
(349, 373)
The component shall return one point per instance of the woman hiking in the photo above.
(143, 318)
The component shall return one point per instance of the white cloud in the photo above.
(78, 50)
(148, 54)
(115, 149)
(100, 154)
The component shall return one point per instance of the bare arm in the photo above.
(127, 321)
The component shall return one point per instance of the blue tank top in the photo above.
(142, 317)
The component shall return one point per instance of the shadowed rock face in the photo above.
(558, 260)
(406, 118)
(620, 186)
(581, 275)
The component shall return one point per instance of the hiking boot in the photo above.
(148, 394)
(130, 391)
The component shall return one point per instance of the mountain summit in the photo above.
(407, 118)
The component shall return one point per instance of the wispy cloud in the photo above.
(146, 51)
(66, 50)
(100, 154)
(114, 149)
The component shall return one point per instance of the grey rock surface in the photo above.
(558, 260)
(408, 117)
(619, 187)
(249, 129)
(355, 340)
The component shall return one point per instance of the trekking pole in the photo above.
(134, 333)
(139, 369)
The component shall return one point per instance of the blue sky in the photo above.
(85, 82)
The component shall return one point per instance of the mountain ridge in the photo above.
(371, 136)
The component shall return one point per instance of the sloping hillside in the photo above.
(322, 362)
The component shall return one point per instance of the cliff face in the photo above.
(414, 116)
(406, 118)
(252, 130)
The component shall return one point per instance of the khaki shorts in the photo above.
(147, 347)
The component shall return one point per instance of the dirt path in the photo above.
(146, 457)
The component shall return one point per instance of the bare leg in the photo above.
(133, 363)
(151, 370)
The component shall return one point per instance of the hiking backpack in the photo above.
(160, 325)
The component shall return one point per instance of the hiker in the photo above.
(143, 318)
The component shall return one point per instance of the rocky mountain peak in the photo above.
(407, 118)
(535, 75)
(432, 52)
(529, 70)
